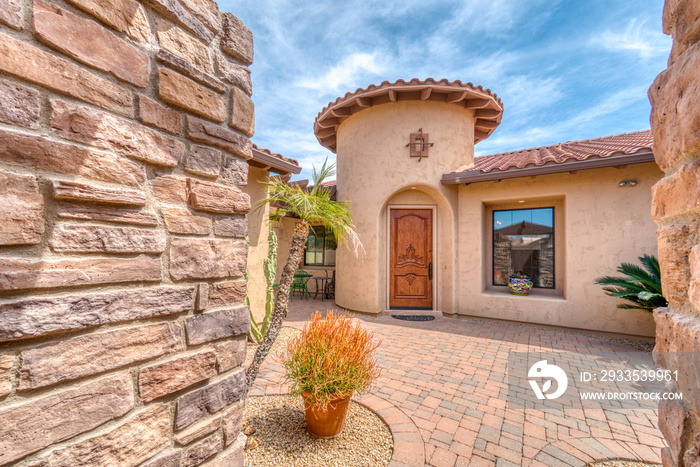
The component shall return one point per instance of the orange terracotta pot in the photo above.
(330, 423)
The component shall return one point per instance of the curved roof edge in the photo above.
(486, 107)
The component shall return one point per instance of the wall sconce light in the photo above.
(625, 183)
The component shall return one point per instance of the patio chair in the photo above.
(329, 291)
(301, 279)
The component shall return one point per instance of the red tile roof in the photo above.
(486, 107)
(274, 162)
(611, 148)
(606, 146)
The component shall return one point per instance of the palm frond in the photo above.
(640, 286)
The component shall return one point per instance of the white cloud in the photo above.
(345, 73)
(637, 38)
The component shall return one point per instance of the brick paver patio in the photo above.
(442, 393)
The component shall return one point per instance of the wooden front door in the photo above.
(411, 258)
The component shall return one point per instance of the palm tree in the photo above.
(642, 287)
(312, 207)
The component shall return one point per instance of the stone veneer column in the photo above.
(124, 135)
(675, 122)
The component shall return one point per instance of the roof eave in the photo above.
(464, 178)
(272, 164)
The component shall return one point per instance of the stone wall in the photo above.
(675, 122)
(124, 135)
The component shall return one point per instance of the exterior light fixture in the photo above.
(625, 183)
(521, 201)
(419, 144)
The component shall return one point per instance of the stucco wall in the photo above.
(258, 232)
(598, 226)
(374, 165)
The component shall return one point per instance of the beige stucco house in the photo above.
(443, 230)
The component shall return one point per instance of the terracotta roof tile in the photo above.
(486, 107)
(571, 151)
(275, 162)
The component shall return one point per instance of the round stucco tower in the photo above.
(394, 142)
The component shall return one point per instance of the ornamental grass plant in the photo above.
(332, 358)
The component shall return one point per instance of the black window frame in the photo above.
(313, 231)
(554, 249)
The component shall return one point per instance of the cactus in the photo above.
(269, 268)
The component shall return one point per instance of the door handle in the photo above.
(430, 270)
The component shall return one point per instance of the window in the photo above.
(320, 247)
(523, 242)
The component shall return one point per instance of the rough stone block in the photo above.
(204, 161)
(227, 293)
(20, 103)
(213, 325)
(127, 16)
(677, 194)
(105, 131)
(152, 113)
(186, 68)
(184, 45)
(233, 226)
(167, 460)
(231, 354)
(209, 400)
(119, 215)
(691, 458)
(183, 92)
(31, 63)
(212, 197)
(235, 171)
(233, 73)
(94, 353)
(102, 239)
(198, 431)
(49, 419)
(205, 132)
(242, 112)
(183, 221)
(166, 378)
(232, 456)
(21, 274)
(202, 450)
(207, 11)
(674, 244)
(666, 460)
(6, 360)
(233, 423)
(73, 191)
(199, 258)
(41, 153)
(90, 43)
(678, 349)
(675, 121)
(237, 40)
(130, 443)
(694, 289)
(21, 210)
(174, 11)
(682, 19)
(35, 317)
(11, 13)
(170, 189)
(672, 416)
(202, 301)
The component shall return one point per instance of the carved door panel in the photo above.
(410, 258)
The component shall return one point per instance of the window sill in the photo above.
(534, 296)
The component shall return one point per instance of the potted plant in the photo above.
(332, 359)
(520, 284)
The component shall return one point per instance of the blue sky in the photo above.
(565, 70)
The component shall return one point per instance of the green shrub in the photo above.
(641, 287)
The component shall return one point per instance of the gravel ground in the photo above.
(278, 347)
(621, 463)
(283, 440)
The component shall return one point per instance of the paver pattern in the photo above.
(442, 392)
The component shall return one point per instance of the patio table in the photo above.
(322, 281)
